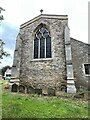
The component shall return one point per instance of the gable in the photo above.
(60, 17)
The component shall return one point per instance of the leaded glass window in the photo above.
(36, 42)
(42, 47)
(87, 69)
(42, 43)
(48, 47)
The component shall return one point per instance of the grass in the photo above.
(31, 106)
(16, 105)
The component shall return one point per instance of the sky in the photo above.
(18, 12)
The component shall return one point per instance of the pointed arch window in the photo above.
(42, 43)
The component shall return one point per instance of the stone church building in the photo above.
(47, 60)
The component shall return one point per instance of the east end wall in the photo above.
(79, 58)
(45, 72)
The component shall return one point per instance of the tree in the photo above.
(4, 69)
(2, 52)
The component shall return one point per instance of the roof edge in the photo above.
(52, 16)
(79, 41)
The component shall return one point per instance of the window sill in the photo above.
(42, 59)
(87, 75)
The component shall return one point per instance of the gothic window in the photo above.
(87, 69)
(42, 43)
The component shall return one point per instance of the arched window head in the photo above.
(42, 42)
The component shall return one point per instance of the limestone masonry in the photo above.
(47, 60)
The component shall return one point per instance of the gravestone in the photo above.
(63, 88)
(30, 90)
(51, 92)
(38, 91)
(22, 89)
(14, 88)
(79, 95)
(45, 91)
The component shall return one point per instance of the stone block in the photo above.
(71, 89)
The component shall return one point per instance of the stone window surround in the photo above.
(84, 69)
(43, 59)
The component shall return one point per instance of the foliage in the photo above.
(4, 69)
(26, 106)
(2, 52)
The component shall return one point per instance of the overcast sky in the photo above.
(20, 11)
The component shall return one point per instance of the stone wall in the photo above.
(48, 72)
(79, 58)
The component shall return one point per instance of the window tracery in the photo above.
(42, 43)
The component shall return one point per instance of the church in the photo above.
(47, 60)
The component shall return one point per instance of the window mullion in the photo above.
(39, 49)
(45, 47)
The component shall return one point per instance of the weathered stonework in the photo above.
(80, 56)
(17, 59)
(47, 74)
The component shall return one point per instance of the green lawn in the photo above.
(26, 106)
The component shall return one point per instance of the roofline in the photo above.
(49, 16)
(79, 41)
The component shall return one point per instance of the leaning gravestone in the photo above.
(51, 92)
